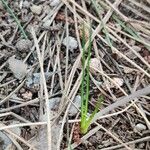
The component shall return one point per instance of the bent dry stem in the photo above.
(85, 86)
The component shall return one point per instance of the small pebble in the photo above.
(71, 42)
(27, 95)
(141, 145)
(74, 109)
(35, 78)
(47, 9)
(140, 127)
(22, 90)
(54, 3)
(54, 103)
(24, 45)
(36, 9)
(26, 4)
(94, 63)
(119, 81)
(47, 24)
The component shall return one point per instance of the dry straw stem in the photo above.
(122, 101)
(14, 141)
(45, 89)
(7, 97)
(93, 131)
(18, 137)
(144, 7)
(109, 115)
(15, 116)
(114, 137)
(97, 30)
(132, 37)
(67, 49)
(128, 143)
(127, 45)
(20, 105)
(58, 62)
(85, 137)
(136, 94)
(133, 63)
(106, 18)
(23, 125)
(139, 109)
(125, 57)
(135, 11)
(33, 47)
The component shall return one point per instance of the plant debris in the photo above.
(24, 45)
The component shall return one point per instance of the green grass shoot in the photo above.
(15, 18)
(85, 85)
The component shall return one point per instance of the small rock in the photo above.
(24, 45)
(22, 90)
(35, 79)
(47, 9)
(94, 64)
(70, 42)
(35, 26)
(54, 103)
(54, 3)
(128, 70)
(27, 95)
(119, 81)
(140, 127)
(36, 9)
(47, 24)
(141, 145)
(74, 108)
(18, 67)
(26, 4)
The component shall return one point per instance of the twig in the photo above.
(45, 89)
(23, 125)
(128, 143)
(18, 137)
(7, 97)
(20, 105)
(122, 101)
